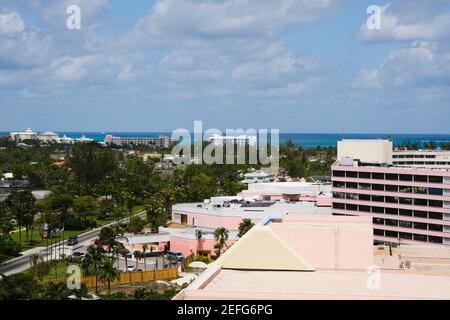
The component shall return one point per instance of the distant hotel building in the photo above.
(23, 135)
(159, 142)
(422, 158)
(219, 140)
(409, 201)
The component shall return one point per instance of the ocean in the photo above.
(305, 140)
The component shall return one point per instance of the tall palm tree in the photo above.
(108, 237)
(92, 262)
(108, 272)
(137, 255)
(245, 225)
(198, 235)
(144, 251)
(124, 252)
(221, 236)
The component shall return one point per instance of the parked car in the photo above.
(72, 240)
(78, 254)
(131, 268)
(177, 256)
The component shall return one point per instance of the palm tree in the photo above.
(108, 272)
(198, 235)
(107, 238)
(137, 255)
(124, 252)
(245, 225)
(221, 236)
(92, 262)
(35, 259)
(144, 251)
(22, 206)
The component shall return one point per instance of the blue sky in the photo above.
(294, 65)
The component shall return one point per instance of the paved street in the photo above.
(22, 263)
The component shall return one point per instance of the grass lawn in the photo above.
(57, 270)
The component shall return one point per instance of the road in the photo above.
(22, 263)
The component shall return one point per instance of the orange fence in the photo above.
(130, 277)
(187, 261)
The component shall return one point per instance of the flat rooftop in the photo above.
(232, 284)
(255, 212)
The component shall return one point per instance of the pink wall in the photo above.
(189, 246)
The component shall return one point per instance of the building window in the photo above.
(378, 198)
(420, 214)
(379, 176)
(420, 225)
(404, 212)
(339, 195)
(390, 222)
(405, 235)
(420, 190)
(378, 221)
(352, 185)
(340, 206)
(435, 215)
(420, 237)
(393, 211)
(420, 178)
(434, 239)
(407, 201)
(378, 187)
(435, 203)
(364, 175)
(435, 227)
(364, 186)
(378, 209)
(364, 197)
(392, 199)
(391, 188)
(405, 189)
(339, 173)
(351, 174)
(352, 196)
(351, 207)
(364, 208)
(435, 179)
(405, 177)
(391, 234)
(378, 232)
(391, 176)
(420, 202)
(338, 184)
(436, 191)
(405, 224)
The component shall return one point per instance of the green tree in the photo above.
(6, 225)
(22, 206)
(108, 272)
(92, 262)
(245, 225)
(221, 236)
(108, 237)
(136, 225)
(156, 214)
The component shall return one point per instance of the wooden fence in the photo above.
(129, 277)
(187, 261)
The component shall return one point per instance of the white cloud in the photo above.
(10, 22)
(406, 24)
(423, 64)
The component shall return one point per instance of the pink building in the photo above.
(407, 204)
(319, 258)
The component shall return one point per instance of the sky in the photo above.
(306, 66)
